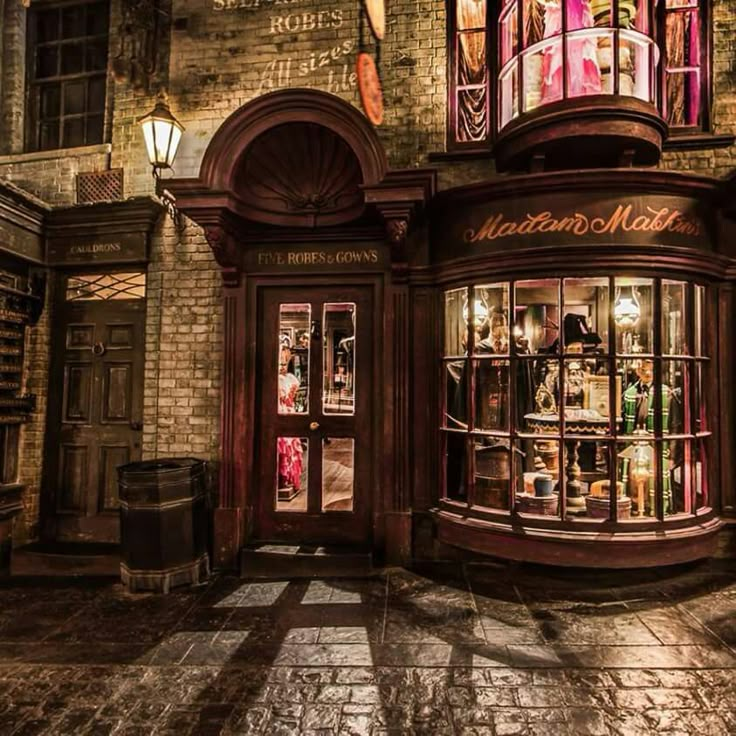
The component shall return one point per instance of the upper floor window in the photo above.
(67, 70)
(549, 50)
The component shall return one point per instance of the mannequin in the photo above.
(289, 449)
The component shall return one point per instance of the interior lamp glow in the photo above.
(480, 312)
(626, 311)
(162, 134)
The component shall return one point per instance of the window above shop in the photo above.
(67, 73)
(512, 57)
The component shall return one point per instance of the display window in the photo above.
(576, 398)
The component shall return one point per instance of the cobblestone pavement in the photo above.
(473, 649)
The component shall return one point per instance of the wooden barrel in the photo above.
(164, 522)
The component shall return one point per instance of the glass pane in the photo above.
(509, 95)
(74, 93)
(456, 304)
(637, 415)
(543, 74)
(683, 98)
(682, 39)
(540, 21)
(700, 473)
(538, 314)
(492, 472)
(636, 469)
(472, 118)
(73, 21)
(73, 132)
(47, 62)
(471, 61)
(490, 317)
(455, 466)
(674, 341)
(97, 19)
(294, 325)
(106, 286)
(586, 315)
(339, 358)
(338, 473)
(470, 14)
(492, 395)
(50, 101)
(676, 478)
(634, 72)
(72, 58)
(675, 397)
(544, 415)
(94, 129)
(96, 55)
(537, 490)
(603, 57)
(633, 315)
(291, 471)
(49, 136)
(594, 478)
(635, 15)
(699, 316)
(601, 11)
(587, 396)
(700, 423)
(509, 33)
(456, 395)
(579, 15)
(47, 25)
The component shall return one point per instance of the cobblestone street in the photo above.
(474, 649)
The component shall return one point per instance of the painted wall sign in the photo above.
(124, 248)
(565, 218)
(316, 259)
(14, 239)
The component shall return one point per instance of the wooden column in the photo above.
(229, 514)
(723, 408)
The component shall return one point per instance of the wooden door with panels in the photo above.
(96, 401)
(314, 382)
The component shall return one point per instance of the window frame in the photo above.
(34, 85)
(494, 7)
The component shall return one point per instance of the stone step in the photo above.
(304, 561)
(62, 559)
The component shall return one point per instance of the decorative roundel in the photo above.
(376, 12)
(369, 86)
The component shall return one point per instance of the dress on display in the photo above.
(584, 75)
(289, 448)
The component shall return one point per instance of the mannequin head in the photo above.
(645, 371)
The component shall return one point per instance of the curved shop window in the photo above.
(550, 50)
(576, 398)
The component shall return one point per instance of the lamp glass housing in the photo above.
(162, 134)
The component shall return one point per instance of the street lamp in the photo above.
(162, 134)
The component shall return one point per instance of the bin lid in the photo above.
(160, 465)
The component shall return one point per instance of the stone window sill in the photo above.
(689, 142)
(57, 153)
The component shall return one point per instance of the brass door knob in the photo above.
(314, 426)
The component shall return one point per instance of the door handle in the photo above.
(314, 426)
(136, 426)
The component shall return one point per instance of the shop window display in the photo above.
(581, 398)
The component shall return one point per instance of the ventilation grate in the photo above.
(100, 186)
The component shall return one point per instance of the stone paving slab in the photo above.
(473, 649)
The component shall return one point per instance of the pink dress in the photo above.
(583, 73)
(290, 452)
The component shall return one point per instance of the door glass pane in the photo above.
(291, 469)
(338, 472)
(294, 338)
(339, 358)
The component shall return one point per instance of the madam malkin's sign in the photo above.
(561, 220)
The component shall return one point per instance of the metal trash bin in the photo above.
(164, 522)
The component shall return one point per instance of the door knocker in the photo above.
(98, 349)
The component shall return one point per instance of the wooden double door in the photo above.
(314, 383)
(95, 404)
